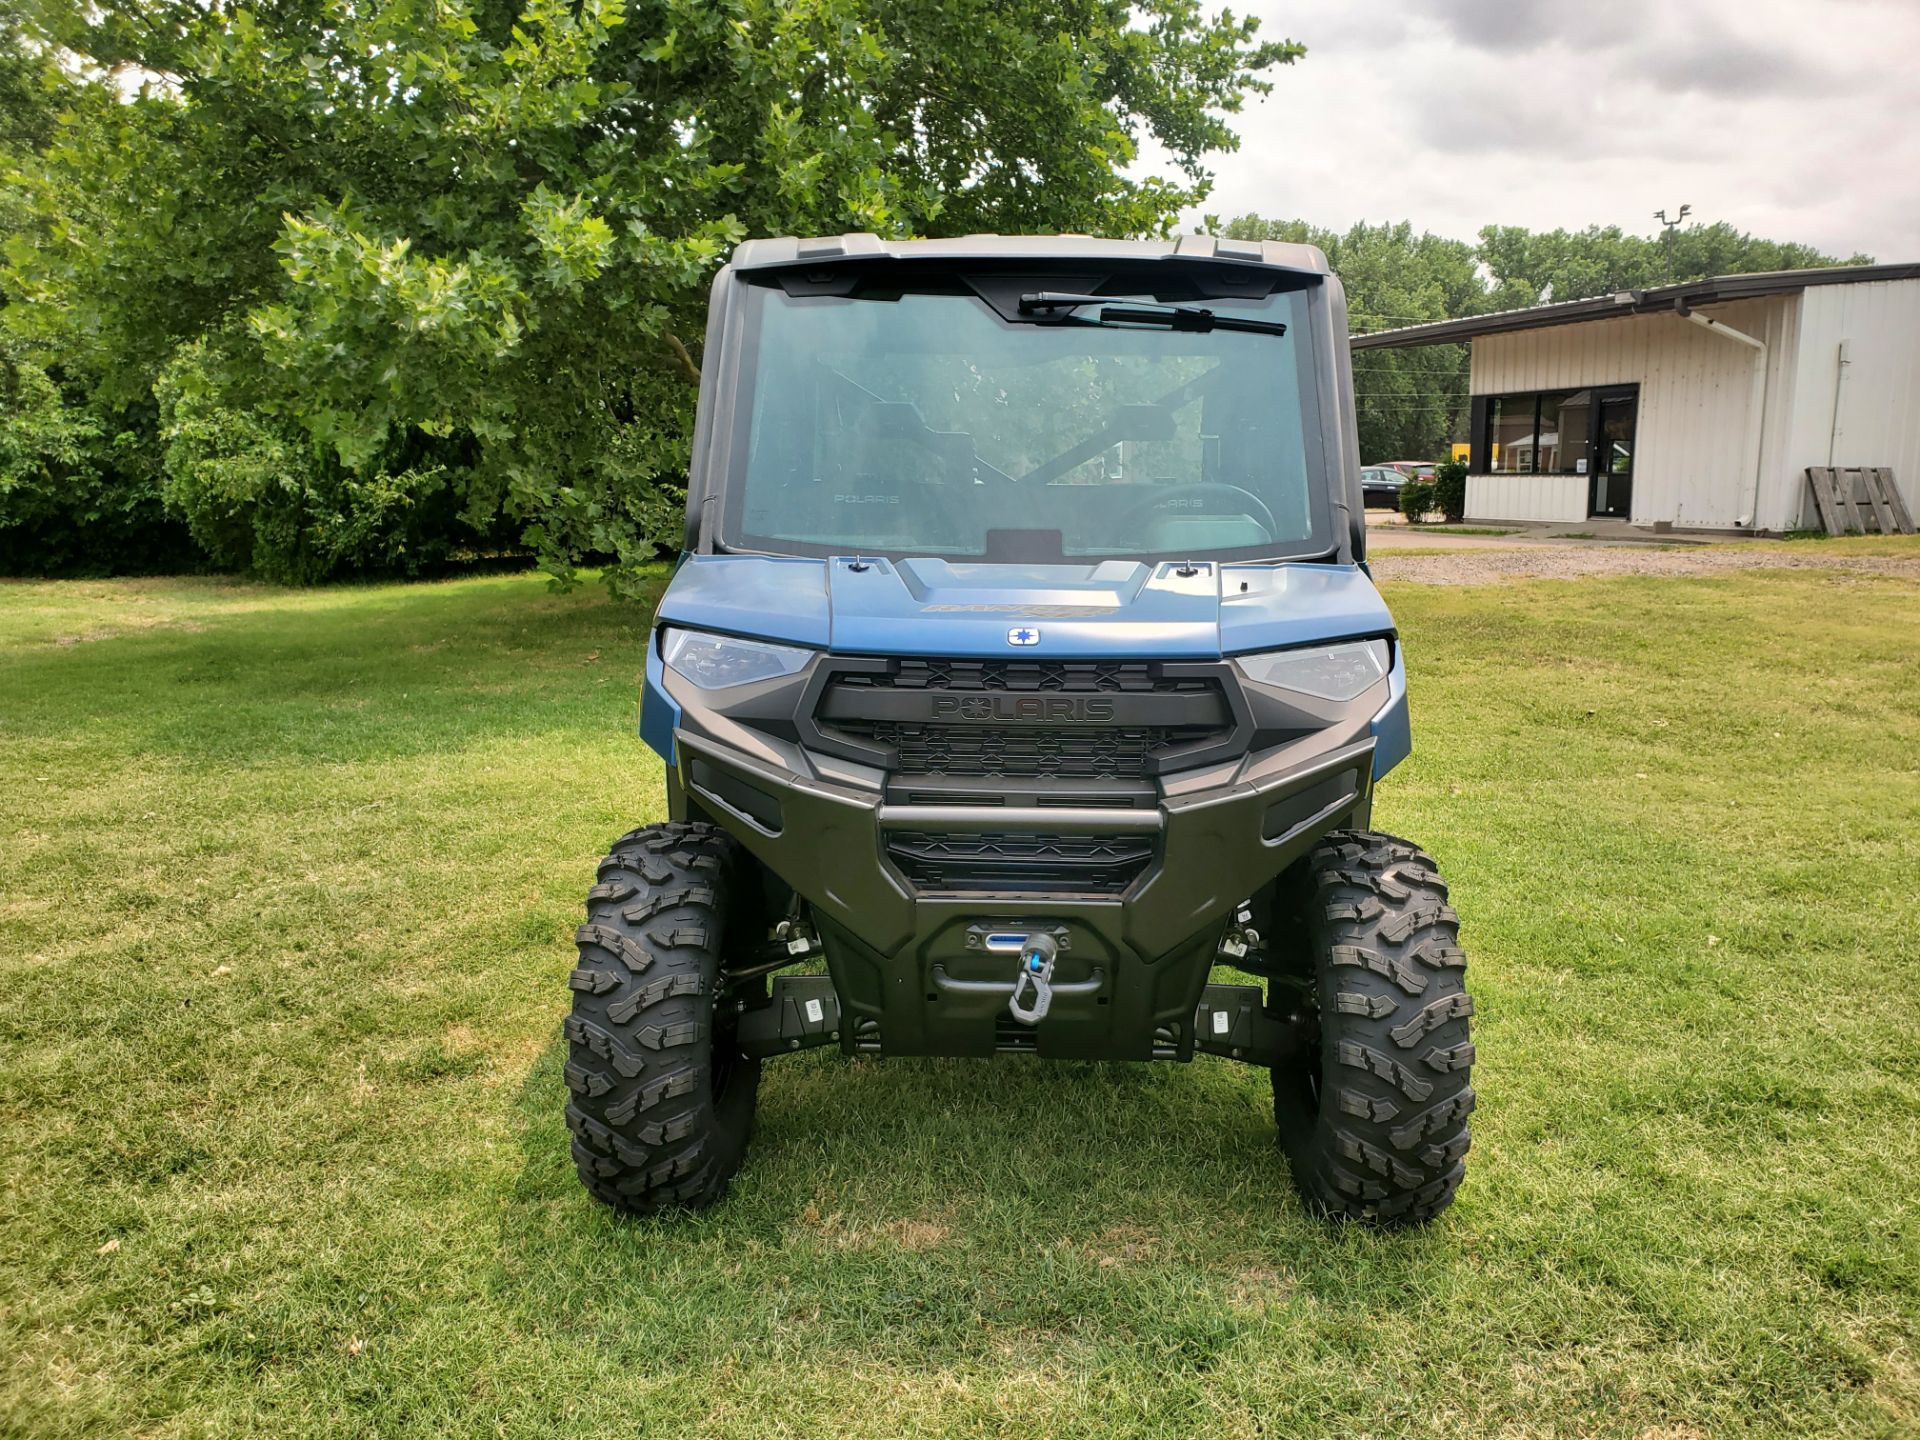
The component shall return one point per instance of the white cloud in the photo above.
(1792, 119)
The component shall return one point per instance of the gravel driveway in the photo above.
(1486, 566)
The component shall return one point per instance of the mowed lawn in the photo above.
(288, 882)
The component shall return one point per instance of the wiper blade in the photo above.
(1059, 307)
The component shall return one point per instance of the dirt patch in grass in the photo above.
(1124, 1245)
(1580, 562)
(916, 1234)
(126, 624)
(847, 1232)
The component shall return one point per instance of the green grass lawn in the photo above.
(287, 889)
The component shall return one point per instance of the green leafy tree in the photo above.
(79, 483)
(1411, 402)
(421, 259)
(79, 490)
(1529, 267)
(30, 87)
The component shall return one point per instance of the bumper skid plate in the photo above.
(913, 971)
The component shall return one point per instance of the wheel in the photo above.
(662, 1099)
(1374, 1122)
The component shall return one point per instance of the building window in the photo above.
(1546, 432)
(1512, 421)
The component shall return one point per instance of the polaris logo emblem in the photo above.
(1023, 709)
(1023, 635)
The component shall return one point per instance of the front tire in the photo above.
(662, 1098)
(1374, 1123)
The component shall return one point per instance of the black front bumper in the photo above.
(909, 963)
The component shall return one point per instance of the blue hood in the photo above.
(1119, 608)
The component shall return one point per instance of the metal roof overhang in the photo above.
(1664, 299)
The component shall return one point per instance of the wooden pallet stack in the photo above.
(1859, 500)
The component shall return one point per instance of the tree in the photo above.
(386, 261)
(1411, 402)
(1527, 267)
(79, 492)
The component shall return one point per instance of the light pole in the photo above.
(1668, 227)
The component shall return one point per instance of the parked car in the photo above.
(1380, 486)
(1412, 469)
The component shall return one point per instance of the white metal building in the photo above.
(1697, 405)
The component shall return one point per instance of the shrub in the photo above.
(259, 495)
(79, 490)
(1416, 499)
(1450, 490)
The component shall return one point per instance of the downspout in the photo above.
(1756, 402)
(1839, 378)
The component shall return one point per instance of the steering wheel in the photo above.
(1256, 507)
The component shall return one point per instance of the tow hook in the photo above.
(1242, 941)
(798, 938)
(1035, 979)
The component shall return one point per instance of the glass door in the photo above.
(1614, 413)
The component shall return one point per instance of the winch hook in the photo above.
(1035, 977)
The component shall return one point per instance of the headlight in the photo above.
(1331, 672)
(714, 662)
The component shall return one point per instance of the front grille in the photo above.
(1017, 753)
(941, 861)
(1151, 710)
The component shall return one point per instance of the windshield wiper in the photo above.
(1058, 307)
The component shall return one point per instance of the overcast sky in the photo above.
(1794, 119)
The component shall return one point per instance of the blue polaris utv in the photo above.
(1023, 667)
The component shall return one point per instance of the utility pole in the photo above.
(1668, 227)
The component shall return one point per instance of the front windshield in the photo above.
(926, 424)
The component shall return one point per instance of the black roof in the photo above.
(1716, 291)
